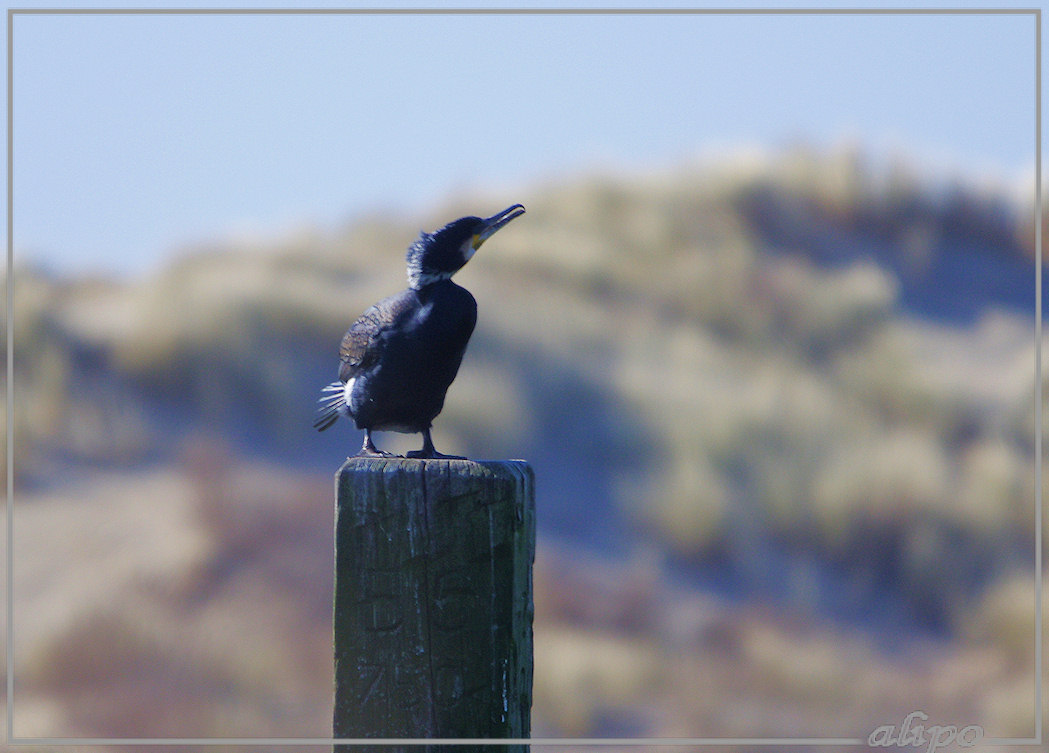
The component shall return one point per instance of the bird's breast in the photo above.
(446, 315)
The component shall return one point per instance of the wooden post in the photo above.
(433, 600)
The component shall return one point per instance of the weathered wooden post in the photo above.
(433, 600)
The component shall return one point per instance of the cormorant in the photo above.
(399, 358)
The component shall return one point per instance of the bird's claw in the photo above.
(433, 455)
(376, 454)
(369, 450)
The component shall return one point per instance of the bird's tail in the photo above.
(333, 404)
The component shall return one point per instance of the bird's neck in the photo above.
(420, 277)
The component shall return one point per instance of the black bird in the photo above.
(399, 358)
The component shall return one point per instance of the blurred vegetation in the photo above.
(620, 651)
(807, 380)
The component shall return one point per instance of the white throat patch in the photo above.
(468, 249)
(420, 278)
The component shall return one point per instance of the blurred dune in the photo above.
(781, 414)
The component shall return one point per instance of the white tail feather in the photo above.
(334, 403)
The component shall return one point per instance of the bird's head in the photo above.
(439, 255)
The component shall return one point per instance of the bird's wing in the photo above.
(361, 345)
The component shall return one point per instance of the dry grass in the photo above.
(193, 604)
(723, 670)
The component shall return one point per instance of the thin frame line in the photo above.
(9, 662)
(10, 386)
(565, 741)
(603, 741)
(1039, 271)
(530, 11)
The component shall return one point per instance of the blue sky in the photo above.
(136, 136)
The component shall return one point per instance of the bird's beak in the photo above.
(495, 222)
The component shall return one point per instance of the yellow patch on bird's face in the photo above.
(471, 246)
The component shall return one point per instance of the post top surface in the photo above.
(416, 463)
(430, 465)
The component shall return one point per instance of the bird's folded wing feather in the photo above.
(361, 345)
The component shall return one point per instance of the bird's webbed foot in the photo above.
(369, 450)
(429, 452)
(376, 454)
(432, 455)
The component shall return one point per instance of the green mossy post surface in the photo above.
(433, 600)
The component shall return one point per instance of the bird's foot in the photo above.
(374, 453)
(428, 452)
(369, 450)
(432, 454)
